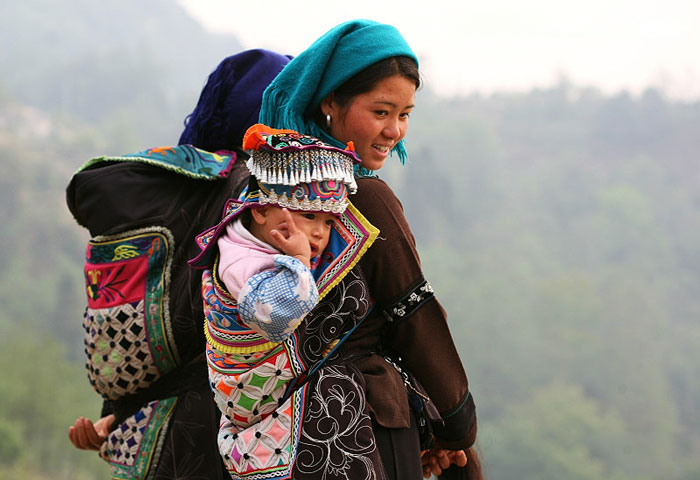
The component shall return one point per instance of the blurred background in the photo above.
(553, 187)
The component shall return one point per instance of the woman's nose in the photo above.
(391, 128)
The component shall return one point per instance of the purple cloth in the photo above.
(230, 101)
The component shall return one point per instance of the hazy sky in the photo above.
(491, 45)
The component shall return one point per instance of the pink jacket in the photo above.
(241, 256)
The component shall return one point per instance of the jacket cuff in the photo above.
(459, 429)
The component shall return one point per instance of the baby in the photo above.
(260, 285)
(267, 252)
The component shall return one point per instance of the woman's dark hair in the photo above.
(368, 78)
(474, 470)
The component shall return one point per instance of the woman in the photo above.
(159, 420)
(357, 83)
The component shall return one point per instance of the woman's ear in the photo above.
(259, 215)
(328, 105)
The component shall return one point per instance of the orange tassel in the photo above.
(255, 136)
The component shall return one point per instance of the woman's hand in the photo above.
(85, 435)
(436, 460)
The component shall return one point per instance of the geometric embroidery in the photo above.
(117, 346)
(135, 444)
(247, 392)
(129, 342)
(266, 449)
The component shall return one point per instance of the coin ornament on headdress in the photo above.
(298, 171)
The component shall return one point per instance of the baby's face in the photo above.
(315, 225)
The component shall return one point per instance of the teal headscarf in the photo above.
(290, 100)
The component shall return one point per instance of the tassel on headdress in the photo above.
(299, 171)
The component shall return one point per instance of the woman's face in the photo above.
(374, 121)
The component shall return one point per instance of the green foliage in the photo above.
(579, 266)
(40, 400)
(557, 433)
(10, 443)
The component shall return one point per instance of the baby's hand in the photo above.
(290, 240)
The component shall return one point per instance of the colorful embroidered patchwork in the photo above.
(183, 159)
(222, 325)
(136, 443)
(288, 158)
(245, 391)
(267, 449)
(128, 341)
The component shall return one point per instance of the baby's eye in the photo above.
(330, 222)
(309, 216)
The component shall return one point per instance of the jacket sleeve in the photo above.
(417, 322)
(274, 302)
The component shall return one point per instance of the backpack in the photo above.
(143, 332)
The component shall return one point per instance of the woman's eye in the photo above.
(381, 113)
(405, 116)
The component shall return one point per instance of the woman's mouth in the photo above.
(383, 149)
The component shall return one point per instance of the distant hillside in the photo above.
(95, 60)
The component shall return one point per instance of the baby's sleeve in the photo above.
(274, 302)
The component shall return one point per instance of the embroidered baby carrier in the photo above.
(138, 359)
(259, 385)
(251, 378)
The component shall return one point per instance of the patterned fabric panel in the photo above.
(350, 238)
(266, 449)
(128, 341)
(119, 358)
(207, 239)
(135, 444)
(337, 313)
(222, 324)
(183, 159)
(406, 306)
(247, 392)
(337, 440)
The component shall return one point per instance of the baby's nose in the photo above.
(317, 230)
